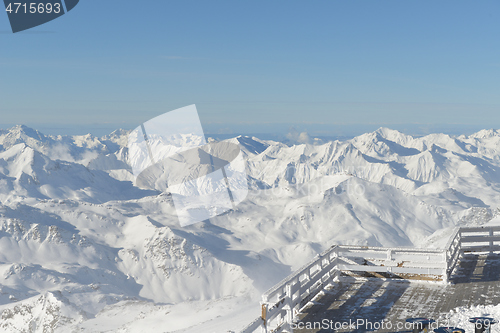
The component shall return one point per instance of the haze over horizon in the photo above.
(351, 64)
(291, 133)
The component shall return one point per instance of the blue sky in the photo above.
(254, 66)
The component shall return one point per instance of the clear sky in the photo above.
(249, 65)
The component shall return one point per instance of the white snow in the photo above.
(83, 248)
(459, 317)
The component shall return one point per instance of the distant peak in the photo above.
(27, 131)
(119, 132)
(485, 133)
(388, 132)
(384, 130)
(22, 128)
(22, 133)
(251, 144)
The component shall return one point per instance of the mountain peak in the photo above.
(252, 144)
(23, 129)
(386, 131)
(22, 134)
(393, 135)
(485, 133)
(116, 134)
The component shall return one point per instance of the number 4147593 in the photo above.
(33, 8)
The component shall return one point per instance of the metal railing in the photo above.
(284, 300)
(281, 304)
(403, 261)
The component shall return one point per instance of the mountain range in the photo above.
(84, 248)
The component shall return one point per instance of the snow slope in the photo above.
(82, 247)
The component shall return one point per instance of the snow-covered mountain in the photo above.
(83, 248)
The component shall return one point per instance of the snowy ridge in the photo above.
(79, 236)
